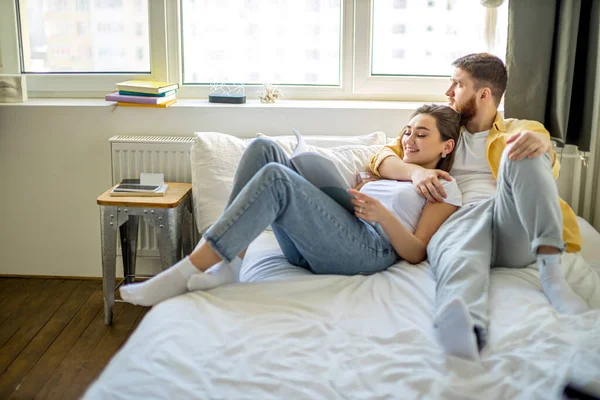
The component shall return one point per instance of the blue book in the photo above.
(128, 93)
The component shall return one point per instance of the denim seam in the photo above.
(250, 202)
(548, 241)
(211, 242)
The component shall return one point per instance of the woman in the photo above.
(391, 221)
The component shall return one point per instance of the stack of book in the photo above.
(144, 94)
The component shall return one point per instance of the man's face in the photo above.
(462, 95)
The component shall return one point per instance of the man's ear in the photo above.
(486, 94)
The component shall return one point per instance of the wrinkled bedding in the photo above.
(285, 333)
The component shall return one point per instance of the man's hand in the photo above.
(428, 185)
(528, 144)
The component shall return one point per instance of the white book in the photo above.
(324, 173)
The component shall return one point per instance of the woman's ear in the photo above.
(449, 146)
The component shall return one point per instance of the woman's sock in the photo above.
(217, 275)
(169, 283)
(556, 288)
(454, 330)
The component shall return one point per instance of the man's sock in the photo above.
(454, 330)
(169, 283)
(556, 288)
(217, 275)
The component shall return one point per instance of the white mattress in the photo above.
(288, 334)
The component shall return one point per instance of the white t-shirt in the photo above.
(471, 168)
(402, 199)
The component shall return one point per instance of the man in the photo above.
(511, 214)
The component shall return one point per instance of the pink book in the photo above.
(115, 96)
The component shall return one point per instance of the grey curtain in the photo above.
(552, 61)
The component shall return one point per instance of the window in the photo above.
(407, 47)
(434, 35)
(247, 39)
(327, 49)
(49, 34)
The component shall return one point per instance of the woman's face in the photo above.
(422, 142)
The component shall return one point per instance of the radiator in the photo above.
(569, 180)
(169, 155)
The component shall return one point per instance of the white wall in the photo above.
(55, 161)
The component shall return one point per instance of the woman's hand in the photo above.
(367, 207)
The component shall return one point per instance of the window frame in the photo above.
(80, 85)
(408, 87)
(341, 92)
(356, 82)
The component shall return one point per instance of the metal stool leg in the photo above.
(108, 225)
(187, 228)
(129, 235)
(167, 224)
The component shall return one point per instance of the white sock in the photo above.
(217, 275)
(169, 283)
(556, 288)
(454, 330)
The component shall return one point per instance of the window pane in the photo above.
(85, 36)
(423, 37)
(261, 41)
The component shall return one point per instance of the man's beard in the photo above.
(467, 110)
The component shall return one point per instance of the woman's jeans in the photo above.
(313, 231)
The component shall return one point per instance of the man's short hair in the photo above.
(487, 70)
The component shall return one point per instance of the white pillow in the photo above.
(215, 157)
(289, 142)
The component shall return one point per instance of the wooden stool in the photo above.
(165, 214)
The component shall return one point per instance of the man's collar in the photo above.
(499, 123)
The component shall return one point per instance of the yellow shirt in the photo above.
(495, 144)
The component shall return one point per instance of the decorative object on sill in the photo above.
(144, 94)
(13, 88)
(270, 94)
(231, 93)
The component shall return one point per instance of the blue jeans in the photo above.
(313, 231)
(503, 231)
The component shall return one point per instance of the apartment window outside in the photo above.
(434, 33)
(82, 5)
(50, 30)
(246, 39)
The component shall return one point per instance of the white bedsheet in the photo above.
(295, 336)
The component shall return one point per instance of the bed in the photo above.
(285, 333)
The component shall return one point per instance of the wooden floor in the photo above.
(53, 341)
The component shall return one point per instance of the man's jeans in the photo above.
(503, 231)
(312, 230)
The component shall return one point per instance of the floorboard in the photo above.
(53, 341)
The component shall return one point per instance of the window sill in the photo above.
(198, 103)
